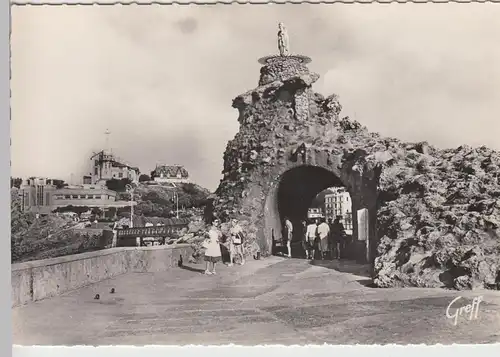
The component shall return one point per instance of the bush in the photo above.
(96, 211)
(118, 185)
(76, 209)
(144, 178)
(16, 182)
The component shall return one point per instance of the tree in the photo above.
(59, 183)
(144, 178)
(111, 212)
(76, 209)
(96, 211)
(123, 212)
(118, 185)
(16, 182)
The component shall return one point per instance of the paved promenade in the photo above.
(272, 301)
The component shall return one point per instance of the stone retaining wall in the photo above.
(40, 279)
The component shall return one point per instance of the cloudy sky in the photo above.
(162, 78)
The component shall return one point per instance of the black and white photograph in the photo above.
(294, 174)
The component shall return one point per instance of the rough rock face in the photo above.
(434, 214)
(439, 222)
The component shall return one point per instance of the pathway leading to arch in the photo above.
(272, 301)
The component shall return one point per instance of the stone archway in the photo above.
(291, 194)
(428, 212)
(298, 187)
(296, 190)
(291, 136)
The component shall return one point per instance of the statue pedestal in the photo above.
(282, 67)
(277, 58)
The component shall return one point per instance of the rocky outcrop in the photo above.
(439, 219)
(437, 212)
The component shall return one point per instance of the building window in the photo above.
(120, 175)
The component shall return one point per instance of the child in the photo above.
(213, 252)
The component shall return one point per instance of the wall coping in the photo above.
(87, 255)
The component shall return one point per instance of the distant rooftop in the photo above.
(171, 170)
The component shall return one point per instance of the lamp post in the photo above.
(176, 198)
(130, 190)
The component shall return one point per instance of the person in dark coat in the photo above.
(208, 213)
(338, 235)
(305, 242)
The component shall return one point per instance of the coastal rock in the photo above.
(437, 211)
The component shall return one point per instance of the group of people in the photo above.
(233, 242)
(326, 239)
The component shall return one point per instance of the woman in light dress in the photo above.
(212, 245)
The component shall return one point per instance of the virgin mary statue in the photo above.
(283, 44)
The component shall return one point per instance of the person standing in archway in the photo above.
(288, 235)
(305, 241)
(338, 235)
(311, 238)
(331, 242)
(323, 233)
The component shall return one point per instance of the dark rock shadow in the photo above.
(367, 283)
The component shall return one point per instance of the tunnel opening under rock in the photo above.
(297, 189)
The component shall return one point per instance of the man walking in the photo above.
(288, 235)
(330, 239)
(338, 234)
(323, 233)
(311, 238)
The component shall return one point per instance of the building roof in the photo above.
(82, 190)
(115, 162)
(171, 171)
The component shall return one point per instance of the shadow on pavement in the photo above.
(196, 270)
(367, 282)
(344, 266)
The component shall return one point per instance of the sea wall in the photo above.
(40, 279)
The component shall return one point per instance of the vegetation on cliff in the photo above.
(158, 200)
(45, 237)
(53, 235)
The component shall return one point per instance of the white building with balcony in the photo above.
(339, 204)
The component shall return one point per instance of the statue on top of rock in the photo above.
(283, 43)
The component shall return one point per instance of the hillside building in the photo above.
(170, 174)
(314, 213)
(39, 195)
(105, 166)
